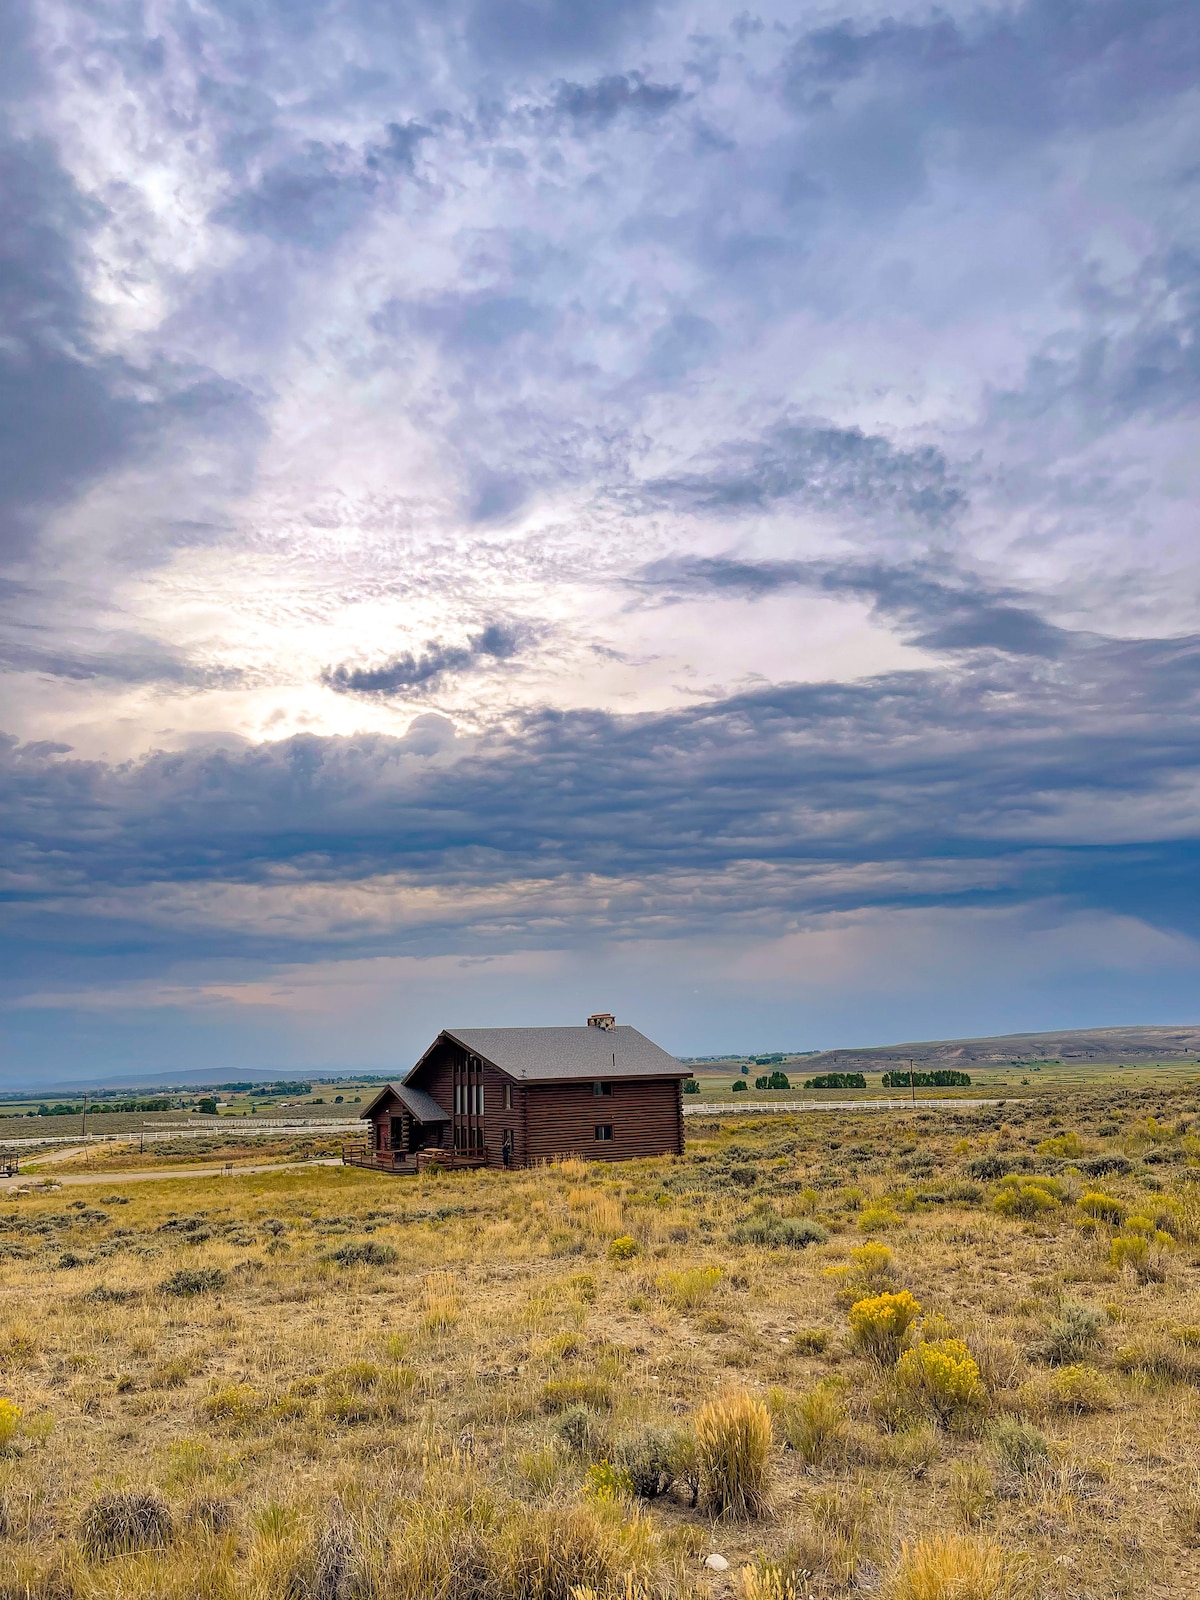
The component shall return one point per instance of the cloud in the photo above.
(1138, 354)
(1021, 72)
(595, 105)
(497, 642)
(939, 609)
(71, 411)
(1018, 779)
(827, 468)
(317, 193)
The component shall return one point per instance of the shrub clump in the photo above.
(191, 1281)
(879, 1322)
(649, 1460)
(125, 1520)
(1141, 1250)
(623, 1248)
(1027, 1197)
(1073, 1334)
(774, 1232)
(1019, 1445)
(364, 1253)
(1079, 1389)
(940, 1378)
(1103, 1207)
(734, 1436)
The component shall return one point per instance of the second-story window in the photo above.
(601, 1088)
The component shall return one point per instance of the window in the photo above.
(508, 1097)
(602, 1088)
(604, 1131)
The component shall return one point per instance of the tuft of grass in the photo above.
(442, 1306)
(811, 1423)
(952, 1567)
(1185, 1512)
(688, 1289)
(972, 1492)
(123, 1521)
(734, 1435)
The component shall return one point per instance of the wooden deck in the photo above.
(408, 1166)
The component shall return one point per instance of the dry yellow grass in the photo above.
(333, 1385)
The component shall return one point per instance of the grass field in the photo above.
(938, 1356)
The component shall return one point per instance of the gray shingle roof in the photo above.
(544, 1054)
(423, 1106)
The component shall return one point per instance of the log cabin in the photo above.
(511, 1097)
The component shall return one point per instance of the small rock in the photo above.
(716, 1563)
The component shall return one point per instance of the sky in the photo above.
(513, 508)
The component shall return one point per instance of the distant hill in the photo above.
(1075, 1045)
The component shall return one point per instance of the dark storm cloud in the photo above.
(937, 608)
(910, 789)
(409, 672)
(825, 467)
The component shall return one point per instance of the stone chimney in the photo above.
(602, 1019)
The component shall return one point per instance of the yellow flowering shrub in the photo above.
(878, 1216)
(872, 1264)
(1064, 1145)
(1027, 1197)
(940, 1377)
(10, 1421)
(1080, 1389)
(1103, 1207)
(879, 1322)
(1141, 1251)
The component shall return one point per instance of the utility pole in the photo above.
(85, 1113)
(912, 1085)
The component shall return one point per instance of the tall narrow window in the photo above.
(508, 1097)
